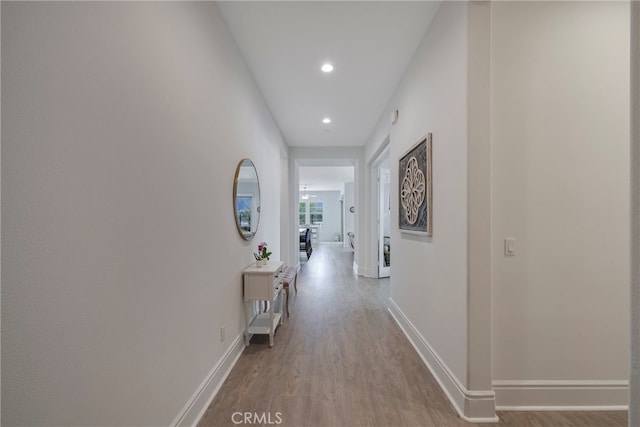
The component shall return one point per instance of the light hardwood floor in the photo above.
(341, 360)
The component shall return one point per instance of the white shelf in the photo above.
(262, 284)
(260, 324)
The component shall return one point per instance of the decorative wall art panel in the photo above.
(415, 189)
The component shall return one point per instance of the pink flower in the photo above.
(263, 253)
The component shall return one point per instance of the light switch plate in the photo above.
(509, 246)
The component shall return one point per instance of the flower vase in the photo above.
(261, 263)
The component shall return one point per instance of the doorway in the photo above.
(380, 215)
(384, 222)
(320, 199)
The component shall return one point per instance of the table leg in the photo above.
(271, 326)
(286, 290)
(246, 324)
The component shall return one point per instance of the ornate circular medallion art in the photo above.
(412, 190)
(415, 188)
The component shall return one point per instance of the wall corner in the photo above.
(480, 402)
(634, 373)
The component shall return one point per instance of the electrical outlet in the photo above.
(222, 333)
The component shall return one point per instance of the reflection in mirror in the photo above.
(246, 199)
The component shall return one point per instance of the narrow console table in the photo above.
(262, 284)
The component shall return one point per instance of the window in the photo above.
(311, 212)
(316, 211)
(302, 213)
(243, 207)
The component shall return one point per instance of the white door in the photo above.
(384, 223)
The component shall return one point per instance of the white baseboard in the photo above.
(472, 406)
(364, 272)
(369, 273)
(561, 395)
(203, 396)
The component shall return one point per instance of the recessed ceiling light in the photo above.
(326, 120)
(327, 68)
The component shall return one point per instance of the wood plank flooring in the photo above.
(341, 360)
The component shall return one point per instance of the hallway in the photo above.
(341, 360)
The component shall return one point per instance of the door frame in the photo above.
(382, 270)
(315, 156)
(382, 154)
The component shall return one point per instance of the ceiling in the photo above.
(325, 178)
(369, 44)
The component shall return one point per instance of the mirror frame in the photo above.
(246, 236)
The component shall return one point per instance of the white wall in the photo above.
(331, 213)
(554, 164)
(429, 284)
(1, 234)
(123, 124)
(560, 184)
(634, 301)
(430, 280)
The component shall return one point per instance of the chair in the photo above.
(305, 242)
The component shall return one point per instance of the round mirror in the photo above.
(246, 199)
